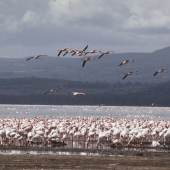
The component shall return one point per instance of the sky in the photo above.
(30, 27)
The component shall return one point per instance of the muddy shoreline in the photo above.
(126, 151)
(78, 159)
(117, 162)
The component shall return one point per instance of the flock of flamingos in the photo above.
(87, 56)
(84, 132)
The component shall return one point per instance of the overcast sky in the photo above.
(30, 27)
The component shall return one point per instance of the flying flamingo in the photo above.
(124, 62)
(127, 75)
(103, 53)
(78, 93)
(85, 60)
(36, 57)
(161, 70)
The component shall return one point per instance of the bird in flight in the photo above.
(124, 62)
(66, 52)
(127, 75)
(90, 52)
(85, 48)
(85, 60)
(73, 52)
(62, 50)
(39, 56)
(103, 53)
(36, 57)
(29, 58)
(82, 52)
(78, 93)
(161, 70)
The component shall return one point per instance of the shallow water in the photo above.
(85, 152)
(20, 152)
(51, 111)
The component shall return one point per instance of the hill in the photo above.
(36, 91)
(103, 70)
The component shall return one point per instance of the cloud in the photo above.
(121, 25)
(149, 14)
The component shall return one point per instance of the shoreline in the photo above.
(124, 151)
(82, 162)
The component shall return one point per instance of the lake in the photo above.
(51, 111)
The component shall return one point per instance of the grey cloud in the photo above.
(121, 25)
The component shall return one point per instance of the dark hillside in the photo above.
(33, 91)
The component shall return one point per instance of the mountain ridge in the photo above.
(38, 91)
(104, 70)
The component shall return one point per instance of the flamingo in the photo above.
(85, 60)
(39, 56)
(61, 51)
(161, 70)
(155, 143)
(81, 52)
(78, 93)
(29, 58)
(90, 52)
(167, 136)
(124, 62)
(127, 75)
(36, 57)
(73, 52)
(103, 53)
(85, 48)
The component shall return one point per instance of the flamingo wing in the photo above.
(101, 55)
(59, 52)
(125, 76)
(84, 63)
(156, 73)
(65, 53)
(73, 53)
(120, 64)
(38, 56)
(29, 58)
(85, 48)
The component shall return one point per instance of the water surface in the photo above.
(51, 111)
